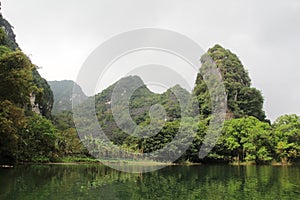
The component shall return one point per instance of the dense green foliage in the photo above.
(69, 143)
(163, 129)
(16, 83)
(12, 122)
(25, 100)
(287, 137)
(44, 98)
(244, 139)
(24, 134)
(246, 136)
(242, 100)
(38, 140)
(27, 134)
(43, 94)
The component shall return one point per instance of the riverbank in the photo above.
(274, 163)
(88, 160)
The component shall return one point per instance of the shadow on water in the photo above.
(173, 182)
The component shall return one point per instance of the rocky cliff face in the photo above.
(42, 102)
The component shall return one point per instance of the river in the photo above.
(172, 182)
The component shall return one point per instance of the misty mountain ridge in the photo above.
(64, 93)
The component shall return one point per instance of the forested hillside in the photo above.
(63, 92)
(247, 135)
(26, 132)
(21, 122)
(242, 99)
(30, 133)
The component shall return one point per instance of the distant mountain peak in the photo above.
(65, 92)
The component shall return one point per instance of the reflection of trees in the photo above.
(176, 182)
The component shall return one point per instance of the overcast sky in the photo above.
(58, 35)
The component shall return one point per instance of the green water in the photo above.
(174, 182)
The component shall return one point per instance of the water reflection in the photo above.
(174, 182)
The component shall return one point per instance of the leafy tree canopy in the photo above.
(242, 100)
